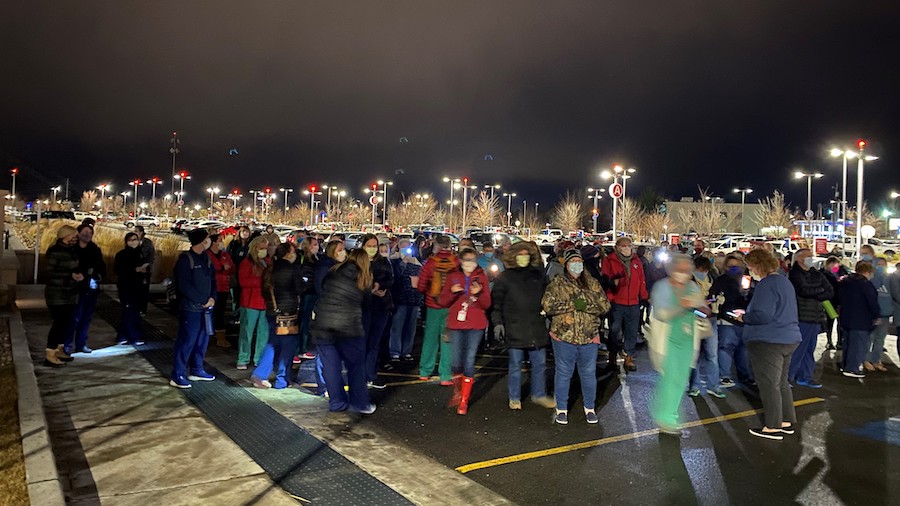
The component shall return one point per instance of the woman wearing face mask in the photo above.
(308, 258)
(224, 268)
(130, 268)
(677, 304)
(517, 319)
(708, 360)
(833, 272)
(272, 238)
(574, 302)
(859, 317)
(283, 286)
(61, 293)
(467, 294)
(772, 333)
(238, 249)
(377, 309)
(253, 305)
(407, 300)
(812, 288)
(731, 298)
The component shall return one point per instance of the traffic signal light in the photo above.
(861, 144)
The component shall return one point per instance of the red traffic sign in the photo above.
(616, 190)
(373, 200)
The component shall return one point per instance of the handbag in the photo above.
(286, 324)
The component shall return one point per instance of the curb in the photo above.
(41, 475)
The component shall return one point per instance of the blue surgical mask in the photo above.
(880, 270)
(735, 270)
(866, 258)
(701, 276)
(489, 255)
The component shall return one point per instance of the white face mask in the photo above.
(341, 255)
(680, 277)
(755, 276)
(262, 253)
(468, 266)
(576, 268)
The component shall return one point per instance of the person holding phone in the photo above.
(772, 333)
(407, 300)
(812, 289)
(732, 293)
(467, 294)
(93, 268)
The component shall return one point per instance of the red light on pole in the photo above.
(862, 144)
(312, 188)
(183, 174)
(268, 190)
(235, 191)
(465, 181)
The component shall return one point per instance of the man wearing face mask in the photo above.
(731, 298)
(517, 319)
(875, 346)
(812, 289)
(196, 282)
(866, 253)
(238, 249)
(859, 316)
(627, 288)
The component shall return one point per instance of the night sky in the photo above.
(707, 92)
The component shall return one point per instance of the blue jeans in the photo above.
(191, 343)
(624, 323)
(803, 361)
(403, 330)
(538, 359)
(465, 346)
(568, 356)
(373, 324)
(280, 352)
(876, 340)
(855, 342)
(708, 362)
(352, 353)
(81, 320)
(733, 351)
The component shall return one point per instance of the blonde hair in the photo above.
(257, 244)
(361, 259)
(763, 260)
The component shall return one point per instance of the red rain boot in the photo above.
(456, 395)
(466, 392)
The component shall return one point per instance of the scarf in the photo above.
(626, 261)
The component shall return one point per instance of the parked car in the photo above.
(177, 226)
(143, 220)
(549, 236)
(207, 224)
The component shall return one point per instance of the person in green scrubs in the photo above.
(677, 301)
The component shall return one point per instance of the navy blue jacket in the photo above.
(195, 285)
(404, 293)
(771, 316)
(322, 267)
(859, 303)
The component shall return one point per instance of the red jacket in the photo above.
(428, 272)
(251, 287)
(626, 293)
(476, 319)
(223, 274)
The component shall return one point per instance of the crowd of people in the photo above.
(709, 321)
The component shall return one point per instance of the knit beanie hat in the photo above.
(197, 236)
(65, 231)
(571, 254)
(589, 251)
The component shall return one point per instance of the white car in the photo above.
(144, 221)
(548, 236)
(208, 224)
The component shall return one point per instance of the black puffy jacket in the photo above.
(812, 289)
(286, 283)
(308, 272)
(62, 262)
(383, 274)
(517, 295)
(339, 308)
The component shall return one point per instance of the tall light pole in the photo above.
(14, 172)
(809, 177)
(861, 156)
(267, 202)
(287, 191)
(509, 197)
(105, 187)
(845, 154)
(384, 185)
(55, 190)
(174, 150)
(492, 188)
(234, 196)
(454, 183)
(465, 203)
(594, 193)
(135, 184)
(312, 192)
(743, 192)
(153, 182)
(212, 193)
(615, 174)
(125, 199)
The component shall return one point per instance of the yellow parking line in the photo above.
(613, 439)
(435, 380)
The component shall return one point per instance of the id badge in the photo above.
(461, 316)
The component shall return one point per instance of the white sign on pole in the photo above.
(615, 190)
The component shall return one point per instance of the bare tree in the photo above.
(631, 216)
(774, 214)
(655, 225)
(868, 218)
(568, 213)
(707, 217)
(88, 200)
(482, 209)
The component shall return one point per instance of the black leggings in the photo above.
(62, 315)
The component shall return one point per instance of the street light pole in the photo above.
(809, 177)
(174, 150)
(509, 197)
(845, 155)
(492, 187)
(287, 191)
(14, 172)
(453, 183)
(136, 183)
(743, 192)
(861, 144)
(103, 187)
(384, 185)
(615, 174)
(595, 194)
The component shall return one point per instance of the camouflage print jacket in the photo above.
(568, 323)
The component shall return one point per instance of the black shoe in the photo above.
(377, 384)
(775, 435)
(789, 430)
(408, 359)
(54, 365)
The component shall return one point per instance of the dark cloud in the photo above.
(711, 93)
